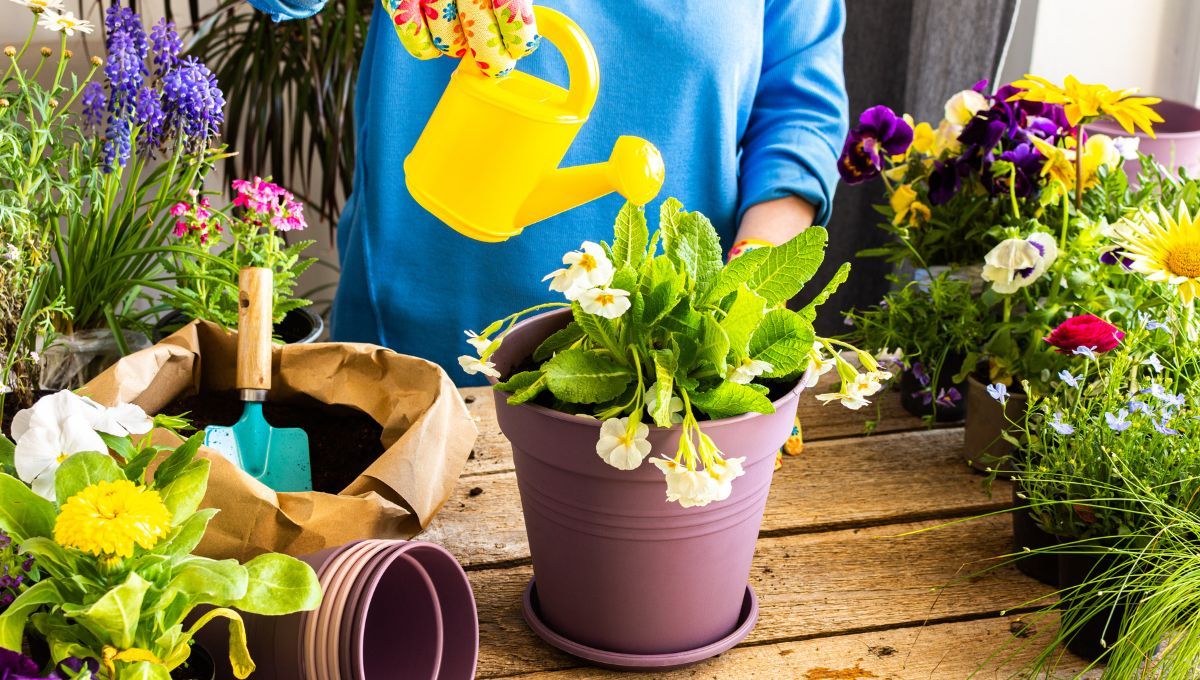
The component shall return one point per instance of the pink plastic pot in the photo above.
(1177, 139)
(392, 610)
(619, 570)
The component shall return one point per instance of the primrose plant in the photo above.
(116, 580)
(668, 338)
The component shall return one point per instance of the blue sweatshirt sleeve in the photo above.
(283, 10)
(798, 121)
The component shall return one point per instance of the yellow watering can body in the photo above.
(487, 162)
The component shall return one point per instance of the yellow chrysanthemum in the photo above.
(107, 519)
(1165, 248)
(1082, 101)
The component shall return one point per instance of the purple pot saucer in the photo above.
(639, 662)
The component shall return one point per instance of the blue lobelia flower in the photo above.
(1119, 422)
(1059, 426)
(1163, 428)
(1136, 406)
(999, 392)
(1085, 351)
(1065, 376)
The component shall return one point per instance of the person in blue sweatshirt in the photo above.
(746, 101)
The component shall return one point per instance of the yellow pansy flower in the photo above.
(906, 207)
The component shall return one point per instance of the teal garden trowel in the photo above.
(275, 456)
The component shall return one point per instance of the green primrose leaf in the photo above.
(83, 470)
(786, 268)
(669, 213)
(523, 386)
(694, 244)
(631, 236)
(583, 377)
(24, 514)
(557, 342)
(737, 272)
(660, 287)
(279, 585)
(713, 345)
(183, 495)
(175, 463)
(665, 364)
(839, 277)
(745, 313)
(729, 399)
(598, 329)
(7, 454)
(783, 339)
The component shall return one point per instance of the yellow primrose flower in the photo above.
(905, 205)
(108, 519)
(1165, 248)
(1082, 101)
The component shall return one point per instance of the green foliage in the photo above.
(136, 611)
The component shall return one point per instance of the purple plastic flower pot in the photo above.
(618, 567)
(1176, 143)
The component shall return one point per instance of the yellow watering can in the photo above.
(513, 132)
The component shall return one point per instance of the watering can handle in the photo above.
(582, 67)
(255, 289)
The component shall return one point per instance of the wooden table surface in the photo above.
(846, 589)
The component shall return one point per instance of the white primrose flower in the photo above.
(1015, 263)
(689, 488)
(587, 268)
(867, 384)
(473, 365)
(850, 395)
(57, 427)
(609, 303)
(724, 471)
(675, 406)
(477, 341)
(746, 371)
(621, 448)
(66, 22)
(818, 365)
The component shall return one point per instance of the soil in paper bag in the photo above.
(342, 441)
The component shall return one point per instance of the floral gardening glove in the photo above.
(794, 445)
(495, 33)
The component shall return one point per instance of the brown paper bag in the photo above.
(426, 430)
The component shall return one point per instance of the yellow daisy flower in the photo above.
(1082, 101)
(107, 519)
(1165, 248)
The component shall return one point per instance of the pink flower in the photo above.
(1085, 330)
(181, 228)
(179, 209)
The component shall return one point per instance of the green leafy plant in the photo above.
(676, 336)
(248, 233)
(118, 581)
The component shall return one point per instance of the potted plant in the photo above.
(645, 415)
(939, 327)
(247, 233)
(117, 587)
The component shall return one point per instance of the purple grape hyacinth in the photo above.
(192, 101)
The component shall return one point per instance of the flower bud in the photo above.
(10, 51)
(4, 103)
(53, 103)
(97, 61)
(68, 54)
(46, 51)
(37, 10)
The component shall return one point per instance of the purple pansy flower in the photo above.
(1027, 163)
(880, 133)
(949, 398)
(944, 181)
(1116, 256)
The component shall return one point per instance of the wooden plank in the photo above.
(835, 484)
(987, 648)
(494, 454)
(811, 585)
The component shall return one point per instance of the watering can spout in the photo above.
(635, 170)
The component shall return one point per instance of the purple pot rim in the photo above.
(594, 422)
(358, 633)
(339, 628)
(648, 662)
(323, 622)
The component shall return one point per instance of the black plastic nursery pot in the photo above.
(1027, 535)
(913, 393)
(199, 666)
(1092, 619)
(984, 446)
(298, 327)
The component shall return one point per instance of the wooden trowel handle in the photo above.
(255, 289)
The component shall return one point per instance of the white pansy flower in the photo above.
(609, 303)
(1127, 147)
(587, 268)
(962, 107)
(121, 420)
(621, 448)
(1015, 263)
(723, 472)
(675, 406)
(55, 428)
(746, 371)
(66, 23)
(473, 365)
(689, 488)
(477, 341)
